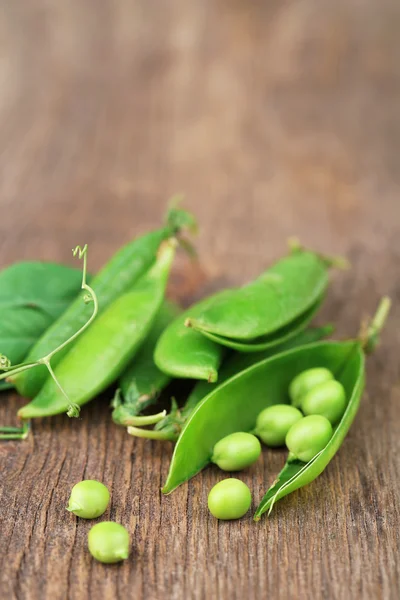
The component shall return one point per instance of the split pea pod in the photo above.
(103, 351)
(170, 427)
(275, 300)
(142, 381)
(117, 276)
(235, 405)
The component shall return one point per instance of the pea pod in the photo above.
(183, 352)
(142, 381)
(103, 351)
(116, 277)
(234, 406)
(268, 341)
(274, 300)
(170, 427)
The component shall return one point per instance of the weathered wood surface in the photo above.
(274, 118)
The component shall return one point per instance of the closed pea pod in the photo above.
(267, 342)
(104, 349)
(124, 269)
(327, 399)
(142, 380)
(223, 411)
(305, 381)
(278, 297)
(183, 352)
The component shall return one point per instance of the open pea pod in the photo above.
(235, 405)
(290, 331)
(283, 293)
(171, 425)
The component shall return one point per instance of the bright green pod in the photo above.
(183, 352)
(125, 268)
(236, 451)
(103, 351)
(267, 342)
(142, 381)
(275, 299)
(327, 399)
(305, 381)
(224, 410)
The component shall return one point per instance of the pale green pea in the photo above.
(327, 399)
(89, 499)
(236, 451)
(274, 422)
(108, 542)
(306, 438)
(305, 381)
(229, 499)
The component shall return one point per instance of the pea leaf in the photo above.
(32, 295)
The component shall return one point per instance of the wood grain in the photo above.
(273, 118)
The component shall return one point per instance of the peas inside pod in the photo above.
(108, 542)
(307, 437)
(327, 399)
(229, 499)
(236, 451)
(307, 380)
(274, 422)
(89, 499)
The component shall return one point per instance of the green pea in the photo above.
(236, 451)
(108, 542)
(305, 381)
(89, 499)
(327, 399)
(306, 438)
(229, 499)
(274, 422)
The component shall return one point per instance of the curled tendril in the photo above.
(73, 410)
(5, 363)
(80, 251)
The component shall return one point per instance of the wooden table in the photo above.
(273, 118)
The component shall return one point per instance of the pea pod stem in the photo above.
(150, 434)
(336, 262)
(139, 421)
(369, 334)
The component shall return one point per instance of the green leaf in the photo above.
(32, 295)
